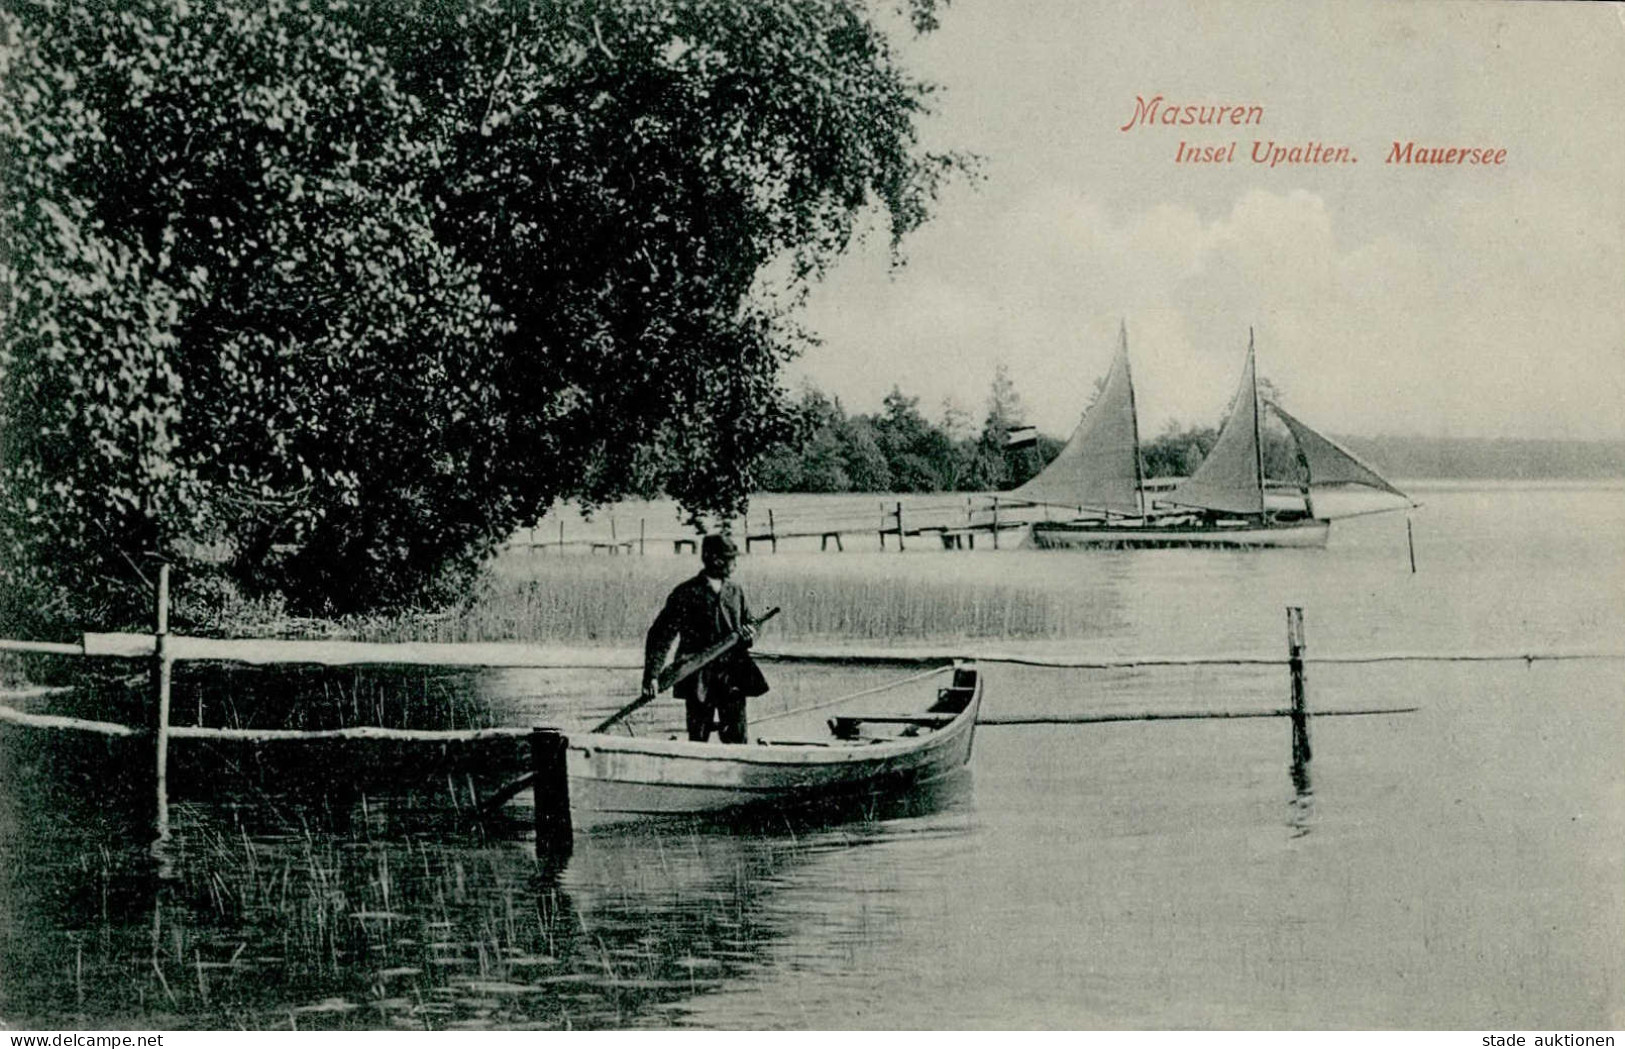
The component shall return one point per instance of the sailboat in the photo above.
(1225, 502)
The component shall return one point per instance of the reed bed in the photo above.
(530, 596)
(385, 914)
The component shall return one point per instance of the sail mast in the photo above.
(1099, 465)
(1258, 442)
(1230, 477)
(1134, 415)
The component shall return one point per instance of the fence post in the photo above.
(641, 523)
(549, 751)
(772, 531)
(161, 675)
(995, 522)
(900, 546)
(561, 533)
(1300, 714)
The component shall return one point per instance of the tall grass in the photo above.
(530, 596)
(378, 915)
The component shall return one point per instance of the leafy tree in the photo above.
(814, 461)
(340, 295)
(957, 424)
(1177, 452)
(866, 467)
(993, 464)
(915, 450)
(228, 314)
(1004, 408)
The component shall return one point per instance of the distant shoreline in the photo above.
(1491, 459)
(1491, 484)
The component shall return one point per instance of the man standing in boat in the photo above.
(699, 613)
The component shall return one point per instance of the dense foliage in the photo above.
(329, 298)
(900, 450)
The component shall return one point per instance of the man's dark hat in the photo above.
(718, 546)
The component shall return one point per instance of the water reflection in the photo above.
(378, 912)
(1301, 809)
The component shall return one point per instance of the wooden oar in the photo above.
(684, 668)
(670, 676)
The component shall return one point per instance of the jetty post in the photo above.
(550, 784)
(1300, 713)
(162, 667)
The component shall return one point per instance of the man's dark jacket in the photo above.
(699, 619)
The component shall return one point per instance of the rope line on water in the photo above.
(521, 655)
(368, 732)
(1181, 715)
(1134, 662)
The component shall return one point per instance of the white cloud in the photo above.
(1491, 324)
(1473, 302)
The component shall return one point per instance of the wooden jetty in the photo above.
(990, 521)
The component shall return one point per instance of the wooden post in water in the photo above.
(161, 667)
(1300, 712)
(900, 546)
(1410, 542)
(551, 785)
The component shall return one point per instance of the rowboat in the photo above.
(613, 778)
(1228, 501)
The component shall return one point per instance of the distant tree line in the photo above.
(899, 449)
(1478, 458)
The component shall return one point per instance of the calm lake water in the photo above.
(1462, 866)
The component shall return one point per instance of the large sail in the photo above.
(1099, 468)
(1328, 461)
(1230, 479)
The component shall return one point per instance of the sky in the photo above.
(1385, 299)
